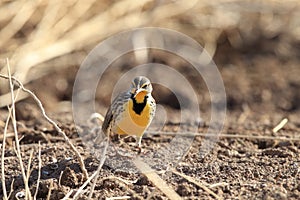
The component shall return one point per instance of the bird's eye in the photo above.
(144, 86)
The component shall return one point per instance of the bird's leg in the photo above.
(121, 140)
(139, 144)
(117, 152)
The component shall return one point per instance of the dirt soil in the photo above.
(249, 161)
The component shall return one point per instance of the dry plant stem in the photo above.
(18, 21)
(71, 17)
(8, 135)
(5, 99)
(11, 188)
(155, 179)
(14, 123)
(119, 16)
(99, 26)
(218, 184)
(39, 103)
(47, 21)
(188, 134)
(50, 190)
(280, 125)
(68, 195)
(29, 170)
(39, 172)
(190, 179)
(103, 158)
(78, 36)
(2, 157)
(59, 25)
(79, 191)
(118, 198)
(127, 182)
(4, 15)
(29, 164)
(59, 179)
(70, 41)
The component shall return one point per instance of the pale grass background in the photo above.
(40, 36)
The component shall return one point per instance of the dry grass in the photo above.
(192, 180)
(40, 105)
(35, 33)
(155, 179)
(17, 143)
(39, 172)
(224, 135)
(12, 116)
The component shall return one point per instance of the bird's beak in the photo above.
(138, 91)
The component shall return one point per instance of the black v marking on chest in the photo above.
(139, 107)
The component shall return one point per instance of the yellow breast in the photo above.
(133, 123)
(143, 119)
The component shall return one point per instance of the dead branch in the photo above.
(190, 179)
(40, 105)
(155, 179)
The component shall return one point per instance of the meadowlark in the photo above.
(131, 112)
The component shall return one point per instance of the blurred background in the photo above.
(255, 45)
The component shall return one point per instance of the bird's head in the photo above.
(140, 87)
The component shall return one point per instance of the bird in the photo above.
(132, 111)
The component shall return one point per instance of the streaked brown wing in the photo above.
(114, 110)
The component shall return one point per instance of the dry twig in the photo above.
(280, 125)
(18, 21)
(127, 182)
(218, 184)
(50, 189)
(79, 191)
(59, 179)
(222, 135)
(190, 179)
(40, 105)
(8, 135)
(155, 179)
(11, 188)
(28, 167)
(118, 198)
(39, 172)
(68, 194)
(2, 157)
(103, 158)
(14, 123)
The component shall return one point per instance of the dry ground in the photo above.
(257, 53)
(248, 162)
